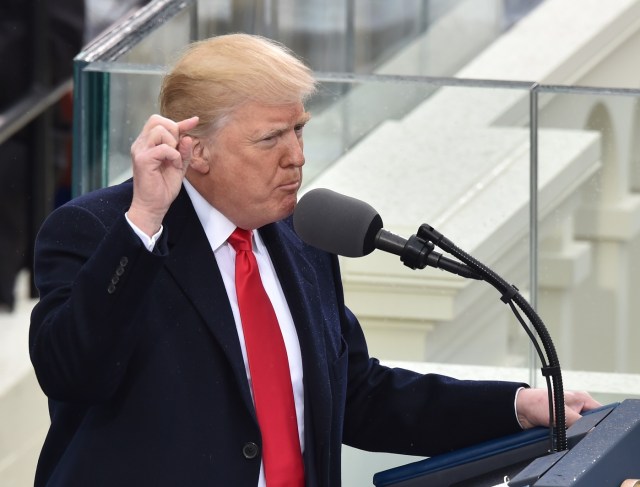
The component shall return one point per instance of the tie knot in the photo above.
(240, 239)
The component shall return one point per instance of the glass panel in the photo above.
(422, 153)
(133, 91)
(346, 111)
(419, 153)
(590, 242)
(144, 43)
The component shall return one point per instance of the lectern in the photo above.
(603, 451)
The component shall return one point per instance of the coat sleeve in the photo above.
(93, 281)
(401, 411)
(377, 408)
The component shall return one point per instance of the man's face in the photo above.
(254, 164)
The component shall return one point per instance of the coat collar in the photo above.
(192, 264)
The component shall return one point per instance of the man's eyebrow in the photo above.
(304, 118)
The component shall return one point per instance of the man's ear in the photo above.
(200, 156)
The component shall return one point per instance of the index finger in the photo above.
(185, 125)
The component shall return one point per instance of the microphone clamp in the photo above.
(418, 253)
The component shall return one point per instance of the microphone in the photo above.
(349, 227)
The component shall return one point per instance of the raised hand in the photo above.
(160, 156)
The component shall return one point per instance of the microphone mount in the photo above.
(418, 253)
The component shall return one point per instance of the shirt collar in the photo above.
(217, 227)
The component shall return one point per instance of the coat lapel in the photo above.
(299, 283)
(192, 264)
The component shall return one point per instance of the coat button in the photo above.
(250, 450)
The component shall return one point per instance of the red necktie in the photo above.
(269, 369)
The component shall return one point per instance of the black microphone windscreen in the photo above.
(336, 223)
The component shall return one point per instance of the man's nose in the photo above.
(295, 152)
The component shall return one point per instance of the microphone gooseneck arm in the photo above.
(511, 295)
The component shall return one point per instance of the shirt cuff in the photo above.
(515, 407)
(148, 242)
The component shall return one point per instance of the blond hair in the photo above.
(216, 75)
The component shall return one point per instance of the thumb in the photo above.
(185, 147)
(571, 416)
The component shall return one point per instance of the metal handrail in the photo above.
(120, 39)
(28, 108)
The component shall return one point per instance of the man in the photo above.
(143, 341)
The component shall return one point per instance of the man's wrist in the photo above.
(148, 241)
